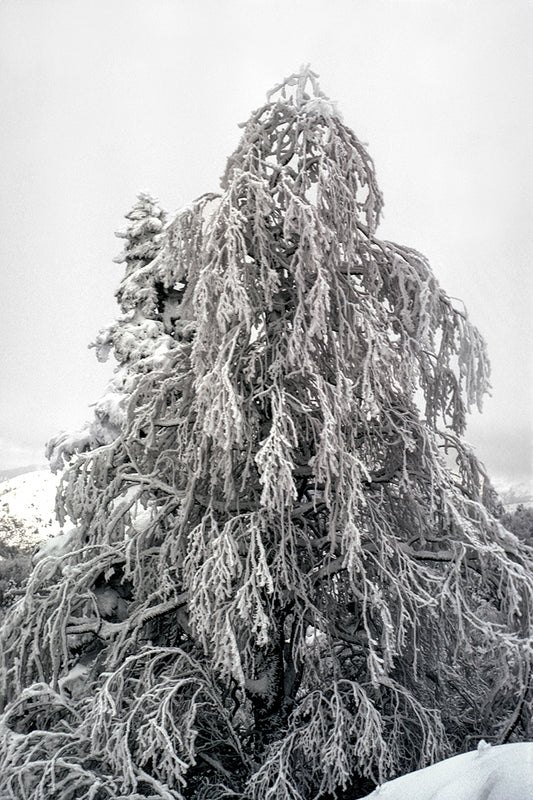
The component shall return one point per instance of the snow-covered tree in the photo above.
(143, 241)
(286, 580)
(136, 339)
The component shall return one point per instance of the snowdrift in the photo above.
(503, 772)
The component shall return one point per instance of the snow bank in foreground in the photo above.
(504, 772)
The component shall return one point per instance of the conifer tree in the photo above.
(136, 339)
(144, 238)
(286, 580)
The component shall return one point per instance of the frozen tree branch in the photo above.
(278, 587)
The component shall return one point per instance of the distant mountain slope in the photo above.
(6, 474)
(513, 494)
(27, 509)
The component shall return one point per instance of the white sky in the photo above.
(101, 100)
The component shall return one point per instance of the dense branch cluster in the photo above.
(285, 577)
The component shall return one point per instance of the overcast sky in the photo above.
(101, 100)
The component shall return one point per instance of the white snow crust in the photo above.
(503, 772)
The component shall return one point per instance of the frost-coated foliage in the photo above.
(286, 577)
(136, 339)
(520, 522)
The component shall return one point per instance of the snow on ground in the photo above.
(503, 772)
(27, 509)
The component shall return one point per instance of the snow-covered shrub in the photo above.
(520, 522)
(15, 565)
